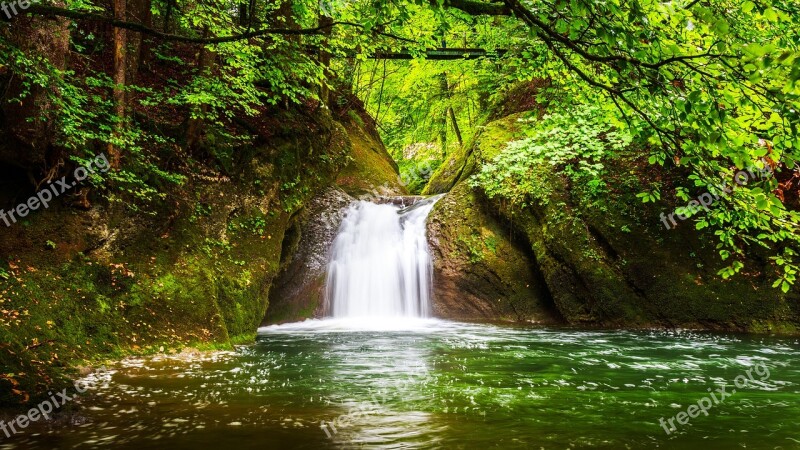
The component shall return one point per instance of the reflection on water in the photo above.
(433, 384)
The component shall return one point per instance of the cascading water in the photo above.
(380, 263)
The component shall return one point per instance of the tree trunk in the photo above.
(283, 17)
(444, 91)
(168, 15)
(194, 132)
(325, 59)
(120, 69)
(455, 126)
(138, 11)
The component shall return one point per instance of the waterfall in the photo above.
(380, 263)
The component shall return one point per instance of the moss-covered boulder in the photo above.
(599, 258)
(609, 261)
(466, 160)
(371, 171)
(299, 290)
(501, 126)
(480, 271)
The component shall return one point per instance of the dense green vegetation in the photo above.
(707, 86)
(705, 89)
(284, 98)
(574, 143)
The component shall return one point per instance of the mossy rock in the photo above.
(371, 170)
(610, 262)
(488, 142)
(480, 272)
(298, 292)
(197, 271)
(601, 259)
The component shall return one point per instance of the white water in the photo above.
(380, 264)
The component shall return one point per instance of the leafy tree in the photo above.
(710, 86)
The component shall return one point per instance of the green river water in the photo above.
(433, 384)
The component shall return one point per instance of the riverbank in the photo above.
(194, 269)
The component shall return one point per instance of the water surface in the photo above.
(432, 384)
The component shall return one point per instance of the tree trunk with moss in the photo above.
(443, 91)
(325, 57)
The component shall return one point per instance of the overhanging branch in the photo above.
(441, 54)
(52, 11)
(469, 6)
(476, 8)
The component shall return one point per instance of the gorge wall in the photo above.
(83, 282)
(608, 262)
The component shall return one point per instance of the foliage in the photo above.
(84, 118)
(573, 142)
(416, 171)
(706, 88)
(709, 86)
(441, 103)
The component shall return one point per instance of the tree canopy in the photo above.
(706, 88)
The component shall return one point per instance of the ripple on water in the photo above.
(439, 384)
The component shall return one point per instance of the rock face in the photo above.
(480, 273)
(299, 290)
(612, 264)
(372, 171)
(196, 268)
(597, 261)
